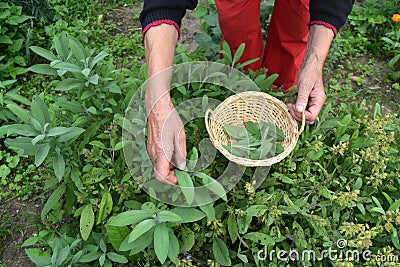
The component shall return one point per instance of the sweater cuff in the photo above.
(166, 15)
(159, 22)
(326, 24)
(333, 21)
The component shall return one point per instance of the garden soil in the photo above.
(18, 221)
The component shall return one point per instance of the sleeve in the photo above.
(156, 12)
(330, 13)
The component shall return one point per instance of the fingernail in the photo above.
(300, 108)
(182, 166)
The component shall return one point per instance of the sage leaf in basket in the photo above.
(266, 146)
(235, 132)
(237, 151)
(270, 130)
(253, 129)
(255, 141)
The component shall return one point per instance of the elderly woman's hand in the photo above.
(311, 96)
(166, 141)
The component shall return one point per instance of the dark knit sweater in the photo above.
(328, 12)
(156, 10)
(333, 12)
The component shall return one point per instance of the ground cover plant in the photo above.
(62, 108)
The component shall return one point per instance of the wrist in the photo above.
(319, 42)
(158, 90)
(158, 103)
(314, 61)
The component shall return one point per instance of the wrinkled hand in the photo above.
(166, 141)
(311, 96)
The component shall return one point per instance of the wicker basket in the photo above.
(256, 107)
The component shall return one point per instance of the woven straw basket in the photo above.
(256, 107)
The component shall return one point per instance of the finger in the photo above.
(302, 97)
(162, 170)
(161, 166)
(171, 178)
(309, 118)
(312, 113)
(296, 115)
(180, 152)
(317, 104)
(299, 116)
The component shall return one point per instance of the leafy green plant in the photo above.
(371, 19)
(18, 176)
(208, 41)
(36, 8)
(75, 10)
(85, 146)
(153, 227)
(126, 50)
(11, 97)
(39, 136)
(368, 22)
(392, 39)
(79, 70)
(12, 40)
(67, 251)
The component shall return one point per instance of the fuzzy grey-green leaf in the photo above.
(130, 217)
(161, 242)
(86, 221)
(140, 229)
(221, 252)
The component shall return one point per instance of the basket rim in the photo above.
(253, 162)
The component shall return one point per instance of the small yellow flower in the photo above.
(396, 17)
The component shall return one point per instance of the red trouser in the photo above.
(287, 35)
